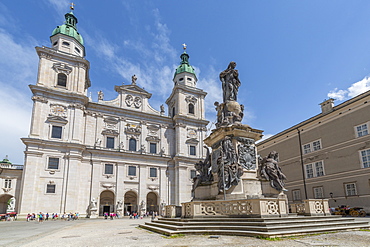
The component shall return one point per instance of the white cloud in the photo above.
(18, 68)
(60, 5)
(354, 90)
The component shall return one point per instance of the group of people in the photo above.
(41, 217)
(135, 215)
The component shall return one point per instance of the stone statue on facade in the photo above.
(93, 203)
(230, 82)
(133, 80)
(100, 95)
(119, 204)
(271, 171)
(203, 168)
(162, 108)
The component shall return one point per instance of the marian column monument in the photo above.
(233, 179)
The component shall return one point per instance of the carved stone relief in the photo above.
(137, 102)
(192, 133)
(191, 99)
(58, 110)
(60, 67)
(129, 100)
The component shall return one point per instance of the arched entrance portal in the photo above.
(7, 204)
(130, 204)
(152, 202)
(106, 202)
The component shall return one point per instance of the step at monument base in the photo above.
(264, 227)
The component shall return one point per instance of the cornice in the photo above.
(47, 93)
(49, 53)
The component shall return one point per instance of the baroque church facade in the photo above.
(119, 155)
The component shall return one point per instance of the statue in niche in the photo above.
(122, 146)
(229, 170)
(230, 82)
(133, 80)
(93, 203)
(204, 175)
(119, 204)
(272, 172)
(100, 95)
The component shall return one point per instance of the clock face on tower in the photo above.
(58, 110)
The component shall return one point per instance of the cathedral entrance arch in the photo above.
(6, 204)
(152, 202)
(106, 202)
(130, 202)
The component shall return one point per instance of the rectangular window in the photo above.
(309, 171)
(315, 169)
(296, 195)
(108, 169)
(307, 148)
(350, 189)
(312, 147)
(56, 132)
(318, 192)
(316, 145)
(153, 172)
(365, 158)
(50, 188)
(319, 169)
(153, 148)
(8, 183)
(193, 173)
(132, 170)
(110, 142)
(362, 130)
(192, 150)
(53, 163)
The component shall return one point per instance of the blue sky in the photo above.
(291, 55)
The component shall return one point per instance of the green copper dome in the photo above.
(69, 28)
(184, 65)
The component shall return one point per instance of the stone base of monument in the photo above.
(252, 217)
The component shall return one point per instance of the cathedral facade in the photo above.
(119, 155)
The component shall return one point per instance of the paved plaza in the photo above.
(125, 232)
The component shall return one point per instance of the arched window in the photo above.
(132, 144)
(173, 112)
(62, 80)
(191, 108)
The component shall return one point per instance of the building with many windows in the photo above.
(328, 155)
(111, 155)
(10, 181)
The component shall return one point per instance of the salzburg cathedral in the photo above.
(111, 155)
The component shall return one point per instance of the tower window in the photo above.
(132, 144)
(65, 43)
(53, 163)
(50, 188)
(110, 142)
(78, 50)
(191, 108)
(56, 132)
(62, 80)
(153, 172)
(153, 148)
(173, 112)
(55, 43)
(192, 150)
(181, 79)
(189, 79)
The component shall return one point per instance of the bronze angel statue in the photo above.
(272, 172)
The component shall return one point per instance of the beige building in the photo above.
(328, 155)
(112, 155)
(10, 181)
